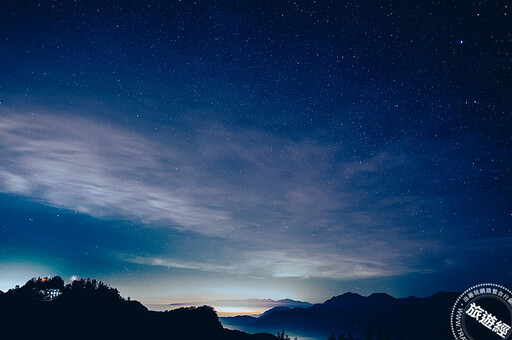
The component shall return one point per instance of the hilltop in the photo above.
(87, 309)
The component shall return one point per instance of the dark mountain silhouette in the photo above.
(276, 309)
(260, 303)
(406, 318)
(87, 309)
(293, 303)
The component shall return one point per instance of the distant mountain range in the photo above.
(248, 303)
(405, 318)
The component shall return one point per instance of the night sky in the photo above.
(197, 150)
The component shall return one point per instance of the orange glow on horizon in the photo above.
(233, 311)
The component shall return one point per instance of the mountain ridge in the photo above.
(86, 309)
(410, 318)
(243, 302)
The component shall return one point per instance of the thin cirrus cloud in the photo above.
(264, 264)
(270, 194)
(106, 171)
(96, 169)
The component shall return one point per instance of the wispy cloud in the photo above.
(300, 263)
(100, 170)
(272, 199)
(176, 263)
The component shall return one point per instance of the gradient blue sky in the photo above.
(196, 151)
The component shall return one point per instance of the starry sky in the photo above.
(210, 150)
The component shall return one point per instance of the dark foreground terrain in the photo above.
(87, 309)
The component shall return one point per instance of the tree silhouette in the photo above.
(56, 283)
(282, 336)
(369, 335)
(91, 309)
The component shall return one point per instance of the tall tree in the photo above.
(369, 335)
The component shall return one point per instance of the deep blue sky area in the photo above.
(205, 150)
